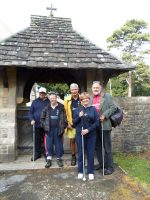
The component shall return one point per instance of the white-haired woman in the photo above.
(86, 121)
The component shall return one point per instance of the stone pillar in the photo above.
(8, 117)
(93, 75)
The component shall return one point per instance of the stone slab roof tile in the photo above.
(52, 42)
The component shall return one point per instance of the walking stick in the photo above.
(33, 143)
(103, 158)
(84, 179)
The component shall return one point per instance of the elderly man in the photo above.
(54, 122)
(71, 103)
(34, 115)
(105, 107)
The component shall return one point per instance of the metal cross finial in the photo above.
(51, 10)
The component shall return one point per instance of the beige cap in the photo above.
(42, 89)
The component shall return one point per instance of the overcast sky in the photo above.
(95, 19)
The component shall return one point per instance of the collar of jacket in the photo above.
(102, 94)
(69, 97)
(60, 106)
(82, 107)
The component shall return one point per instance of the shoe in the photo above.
(48, 164)
(35, 158)
(73, 161)
(98, 167)
(108, 171)
(80, 176)
(60, 162)
(91, 177)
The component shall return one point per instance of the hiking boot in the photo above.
(108, 171)
(73, 161)
(48, 164)
(60, 162)
(36, 157)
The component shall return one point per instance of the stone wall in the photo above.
(8, 117)
(133, 135)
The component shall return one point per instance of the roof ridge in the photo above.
(50, 17)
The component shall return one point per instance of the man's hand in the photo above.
(32, 122)
(102, 117)
(81, 113)
(84, 132)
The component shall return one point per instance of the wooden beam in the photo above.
(4, 77)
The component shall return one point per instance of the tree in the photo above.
(141, 79)
(59, 88)
(118, 86)
(130, 40)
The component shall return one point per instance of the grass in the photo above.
(135, 166)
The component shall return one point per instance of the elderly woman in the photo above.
(86, 121)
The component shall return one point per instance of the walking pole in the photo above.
(33, 144)
(102, 147)
(84, 179)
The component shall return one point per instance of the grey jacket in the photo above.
(107, 108)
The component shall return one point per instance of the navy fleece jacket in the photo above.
(89, 121)
(36, 109)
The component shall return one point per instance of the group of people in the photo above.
(81, 118)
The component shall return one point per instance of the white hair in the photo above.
(74, 85)
(53, 94)
(96, 82)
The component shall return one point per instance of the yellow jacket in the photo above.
(67, 106)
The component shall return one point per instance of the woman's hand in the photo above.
(84, 132)
(32, 122)
(102, 117)
(81, 113)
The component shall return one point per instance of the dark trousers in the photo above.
(89, 147)
(53, 139)
(39, 141)
(108, 161)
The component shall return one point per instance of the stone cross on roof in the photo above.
(51, 10)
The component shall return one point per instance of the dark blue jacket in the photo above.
(89, 121)
(36, 109)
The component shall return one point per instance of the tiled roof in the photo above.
(51, 42)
